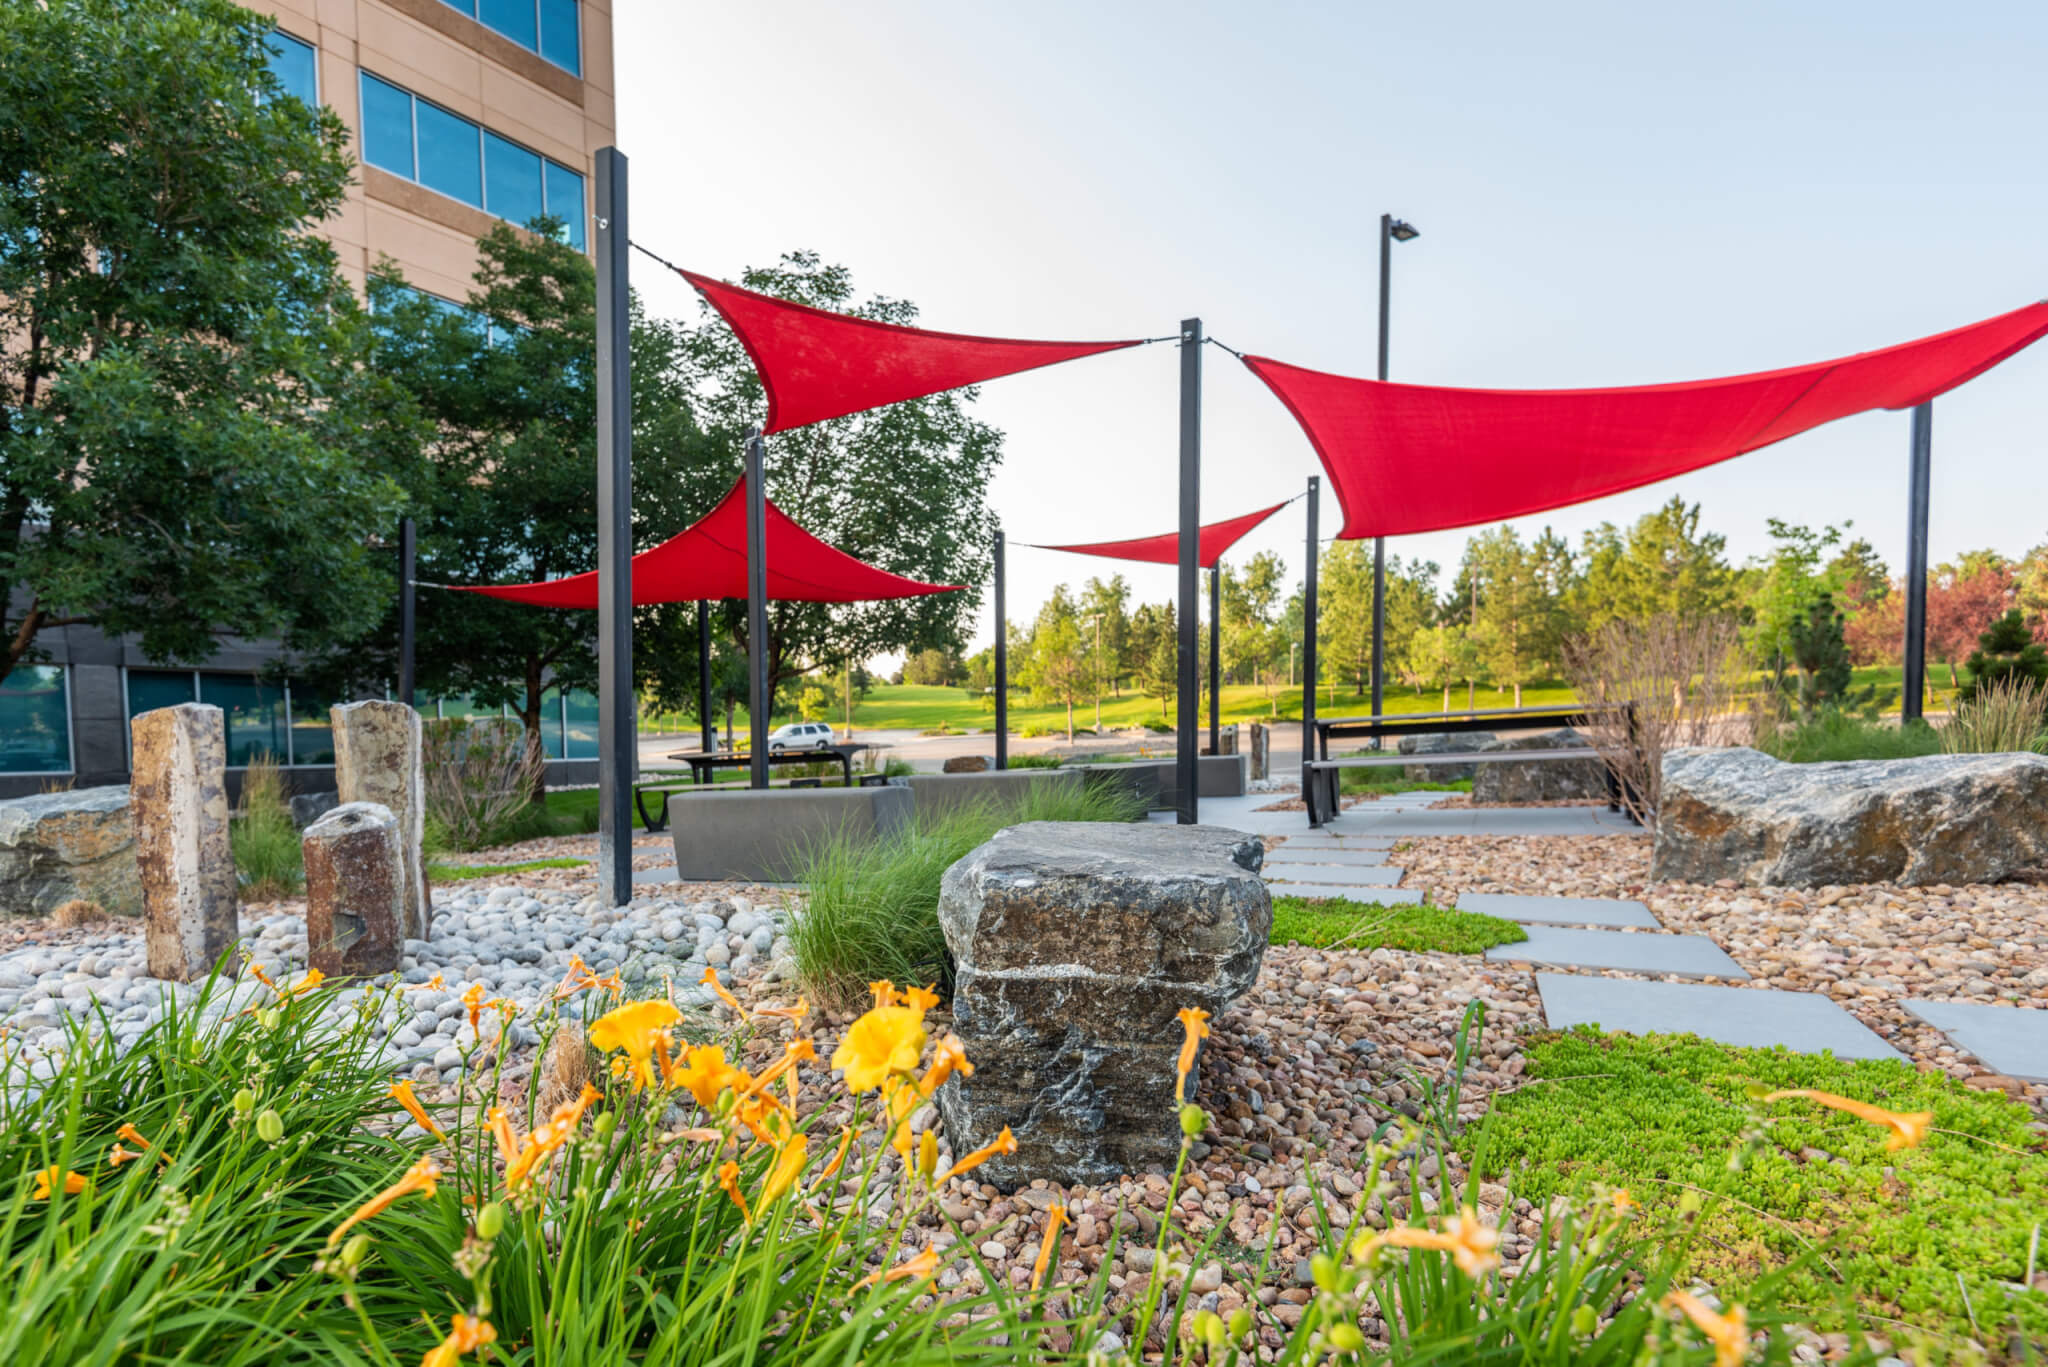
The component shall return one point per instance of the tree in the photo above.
(934, 667)
(1442, 655)
(2006, 653)
(1107, 603)
(1665, 565)
(1154, 631)
(1344, 612)
(812, 704)
(1780, 589)
(1519, 623)
(1814, 644)
(1057, 667)
(191, 440)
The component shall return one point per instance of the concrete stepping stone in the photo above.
(1406, 897)
(2012, 1040)
(1385, 876)
(666, 874)
(1689, 956)
(1330, 840)
(1326, 858)
(1754, 1018)
(1559, 911)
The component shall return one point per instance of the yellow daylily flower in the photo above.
(631, 1028)
(1729, 1333)
(1004, 1143)
(1195, 1025)
(49, 1179)
(401, 1092)
(1908, 1128)
(577, 979)
(311, 982)
(795, 1052)
(465, 1335)
(920, 999)
(884, 993)
(1472, 1246)
(705, 1074)
(420, 1177)
(789, 1165)
(765, 1118)
(1054, 1220)
(917, 1267)
(887, 1040)
(433, 984)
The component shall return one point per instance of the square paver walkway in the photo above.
(1559, 911)
(1385, 876)
(2012, 1040)
(1389, 897)
(1750, 1017)
(1321, 840)
(1364, 859)
(1689, 956)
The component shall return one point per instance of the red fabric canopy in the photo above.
(1415, 458)
(1217, 538)
(817, 365)
(709, 560)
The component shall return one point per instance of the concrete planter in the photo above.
(764, 836)
(940, 793)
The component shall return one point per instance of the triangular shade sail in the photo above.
(709, 560)
(1415, 458)
(1217, 538)
(817, 365)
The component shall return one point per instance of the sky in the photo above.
(1607, 194)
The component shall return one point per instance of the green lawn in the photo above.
(1323, 922)
(455, 873)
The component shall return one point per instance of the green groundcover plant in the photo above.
(1337, 922)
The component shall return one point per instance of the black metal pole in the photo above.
(408, 555)
(1002, 664)
(1379, 543)
(759, 698)
(1216, 659)
(707, 729)
(1922, 469)
(616, 739)
(1187, 767)
(1308, 630)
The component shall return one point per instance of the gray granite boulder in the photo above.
(1075, 946)
(1737, 813)
(77, 845)
(1542, 780)
(1437, 743)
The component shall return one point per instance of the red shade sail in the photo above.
(709, 560)
(1217, 538)
(817, 365)
(1416, 458)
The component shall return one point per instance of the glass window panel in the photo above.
(149, 689)
(561, 35)
(296, 66)
(255, 715)
(513, 18)
(312, 727)
(449, 156)
(512, 188)
(582, 737)
(551, 725)
(387, 127)
(467, 707)
(565, 201)
(35, 723)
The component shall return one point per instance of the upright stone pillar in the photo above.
(355, 891)
(178, 795)
(1262, 745)
(377, 759)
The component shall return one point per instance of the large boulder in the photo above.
(1438, 743)
(1738, 813)
(1075, 946)
(70, 846)
(1540, 780)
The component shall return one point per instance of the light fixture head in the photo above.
(1402, 232)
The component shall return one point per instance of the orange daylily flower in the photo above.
(831, 1169)
(547, 1138)
(1729, 1333)
(697, 1136)
(789, 1165)
(795, 1052)
(117, 1155)
(917, 1267)
(1004, 1143)
(576, 979)
(256, 971)
(314, 977)
(949, 1056)
(50, 1178)
(789, 1013)
(127, 1131)
(1053, 1222)
(1195, 1022)
(729, 1178)
(1472, 1246)
(884, 993)
(465, 1335)
(433, 984)
(1623, 1202)
(920, 999)
(420, 1177)
(705, 1074)
(631, 1028)
(887, 1040)
(500, 1126)
(474, 1000)
(401, 1092)
(710, 980)
(765, 1118)
(1908, 1128)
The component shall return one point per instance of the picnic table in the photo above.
(704, 766)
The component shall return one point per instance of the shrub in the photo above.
(1837, 735)
(2004, 715)
(268, 862)
(872, 909)
(480, 779)
(2005, 652)
(1034, 761)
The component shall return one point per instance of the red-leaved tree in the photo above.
(1961, 602)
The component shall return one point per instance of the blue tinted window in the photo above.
(512, 188)
(149, 689)
(387, 127)
(35, 722)
(449, 155)
(561, 37)
(582, 725)
(312, 729)
(296, 66)
(513, 18)
(565, 201)
(255, 715)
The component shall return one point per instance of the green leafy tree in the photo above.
(2006, 652)
(935, 667)
(812, 704)
(1159, 665)
(1107, 604)
(1520, 614)
(1058, 667)
(191, 440)
(1664, 565)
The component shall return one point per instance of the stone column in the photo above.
(355, 891)
(377, 759)
(1262, 742)
(178, 794)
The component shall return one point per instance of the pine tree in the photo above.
(2007, 651)
(1817, 647)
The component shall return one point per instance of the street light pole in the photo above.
(1392, 230)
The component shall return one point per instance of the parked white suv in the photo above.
(801, 735)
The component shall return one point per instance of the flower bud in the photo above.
(268, 1018)
(270, 1126)
(490, 1221)
(606, 1122)
(1193, 1121)
(928, 1155)
(245, 1101)
(1346, 1338)
(1322, 1269)
(1585, 1320)
(1209, 1328)
(1240, 1322)
(354, 1251)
